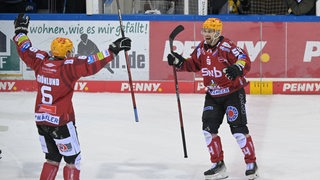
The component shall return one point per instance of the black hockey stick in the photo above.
(128, 67)
(173, 34)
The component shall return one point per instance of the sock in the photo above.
(71, 173)
(49, 171)
(247, 147)
(214, 147)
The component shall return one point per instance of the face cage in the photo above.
(71, 52)
(215, 34)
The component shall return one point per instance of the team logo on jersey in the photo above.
(49, 65)
(25, 46)
(226, 44)
(224, 49)
(208, 61)
(68, 61)
(64, 147)
(41, 117)
(232, 113)
(242, 56)
(82, 57)
(90, 59)
(212, 73)
(208, 108)
(38, 55)
(19, 36)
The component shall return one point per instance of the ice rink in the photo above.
(285, 130)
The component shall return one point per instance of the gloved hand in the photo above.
(175, 59)
(21, 24)
(233, 71)
(120, 44)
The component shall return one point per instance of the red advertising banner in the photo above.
(303, 57)
(105, 86)
(254, 87)
(276, 49)
(159, 48)
(296, 87)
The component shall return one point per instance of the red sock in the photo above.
(71, 173)
(215, 150)
(248, 151)
(49, 171)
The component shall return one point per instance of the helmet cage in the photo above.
(213, 27)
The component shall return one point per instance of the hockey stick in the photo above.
(173, 34)
(128, 67)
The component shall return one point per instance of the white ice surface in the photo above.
(285, 130)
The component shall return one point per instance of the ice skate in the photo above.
(252, 171)
(216, 172)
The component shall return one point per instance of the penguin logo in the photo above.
(232, 113)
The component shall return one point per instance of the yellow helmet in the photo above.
(213, 23)
(61, 46)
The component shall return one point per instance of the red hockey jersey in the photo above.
(211, 61)
(56, 79)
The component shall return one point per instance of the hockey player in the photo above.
(56, 75)
(223, 66)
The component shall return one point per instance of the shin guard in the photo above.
(49, 171)
(247, 147)
(214, 147)
(71, 173)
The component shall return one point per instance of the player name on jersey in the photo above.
(48, 81)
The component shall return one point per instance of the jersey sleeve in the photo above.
(193, 63)
(237, 55)
(89, 65)
(29, 54)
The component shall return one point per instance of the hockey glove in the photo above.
(233, 71)
(175, 59)
(120, 44)
(21, 24)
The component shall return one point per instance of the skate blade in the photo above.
(253, 176)
(216, 176)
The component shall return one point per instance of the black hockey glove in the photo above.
(233, 71)
(175, 59)
(120, 44)
(21, 24)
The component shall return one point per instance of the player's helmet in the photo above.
(61, 46)
(213, 23)
(212, 28)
